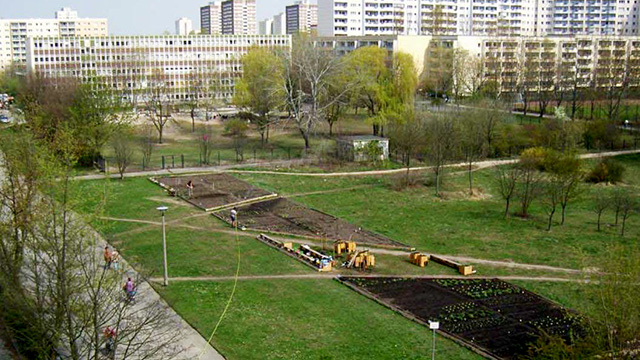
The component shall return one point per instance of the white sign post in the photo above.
(434, 325)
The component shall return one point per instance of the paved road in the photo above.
(201, 169)
(478, 165)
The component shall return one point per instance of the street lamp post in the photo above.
(162, 209)
(434, 325)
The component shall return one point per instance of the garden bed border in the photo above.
(458, 340)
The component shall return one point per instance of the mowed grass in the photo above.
(203, 253)
(303, 319)
(459, 226)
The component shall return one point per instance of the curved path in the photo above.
(478, 165)
(229, 168)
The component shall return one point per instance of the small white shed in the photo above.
(363, 148)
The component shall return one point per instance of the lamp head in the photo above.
(162, 208)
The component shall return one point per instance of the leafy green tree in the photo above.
(367, 67)
(259, 90)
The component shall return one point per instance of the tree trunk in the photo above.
(506, 210)
(470, 179)
(330, 128)
(564, 210)
(193, 120)
(617, 213)
(160, 129)
(268, 128)
(306, 141)
(599, 215)
(553, 211)
(624, 220)
(437, 182)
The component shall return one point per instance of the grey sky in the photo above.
(128, 16)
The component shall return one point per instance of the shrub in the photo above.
(607, 170)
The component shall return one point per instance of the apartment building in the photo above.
(584, 60)
(302, 16)
(134, 64)
(231, 17)
(184, 26)
(279, 26)
(210, 18)
(14, 33)
(265, 27)
(478, 17)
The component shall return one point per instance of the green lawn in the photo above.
(461, 226)
(303, 319)
(202, 253)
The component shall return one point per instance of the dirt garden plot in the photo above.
(285, 216)
(491, 316)
(211, 191)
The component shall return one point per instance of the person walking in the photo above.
(110, 336)
(130, 289)
(115, 260)
(190, 188)
(234, 217)
(108, 257)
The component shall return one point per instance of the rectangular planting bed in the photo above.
(283, 216)
(212, 191)
(490, 316)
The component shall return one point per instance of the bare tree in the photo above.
(601, 202)
(507, 178)
(123, 152)
(145, 143)
(408, 135)
(441, 144)
(206, 145)
(552, 197)
(473, 144)
(158, 103)
(629, 206)
(530, 182)
(306, 81)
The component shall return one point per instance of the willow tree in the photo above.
(259, 90)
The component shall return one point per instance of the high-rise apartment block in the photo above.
(14, 33)
(237, 17)
(279, 26)
(478, 17)
(302, 16)
(184, 26)
(134, 64)
(210, 18)
(265, 27)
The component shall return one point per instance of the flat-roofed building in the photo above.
(134, 64)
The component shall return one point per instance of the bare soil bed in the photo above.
(212, 190)
(493, 316)
(285, 216)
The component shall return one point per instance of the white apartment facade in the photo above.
(478, 17)
(184, 26)
(302, 16)
(14, 33)
(265, 27)
(134, 64)
(279, 26)
(231, 17)
(589, 60)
